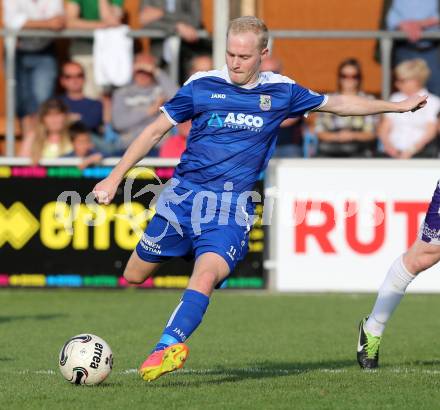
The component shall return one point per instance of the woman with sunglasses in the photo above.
(351, 136)
(411, 134)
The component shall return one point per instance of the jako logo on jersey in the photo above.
(221, 96)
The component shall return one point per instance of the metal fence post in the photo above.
(173, 45)
(10, 44)
(221, 21)
(386, 46)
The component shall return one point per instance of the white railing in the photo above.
(73, 162)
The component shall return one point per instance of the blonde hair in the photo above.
(253, 24)
(42, 132)
(416, 68)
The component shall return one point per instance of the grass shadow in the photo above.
(426, 363)
(40, 317)
(253, 371)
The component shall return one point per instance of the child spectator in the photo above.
(83, 146)
(50, 139)
(202, 62)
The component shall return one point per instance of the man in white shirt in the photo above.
(415, 18)
(36, 65)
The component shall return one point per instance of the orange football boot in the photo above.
(164, 361)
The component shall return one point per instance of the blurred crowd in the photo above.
(416, 70)
(95, 101)
(392, 135)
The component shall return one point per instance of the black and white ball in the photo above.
(86, 359)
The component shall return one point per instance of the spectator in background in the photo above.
(349, 136)
(82, 146)
(137, 105)
(86, 110)
(411, 134)
(51, 139)
(174, 146)
(90, 15)
(180, 18)
(202, 62)
(415, 17)
(36, 64)
(290, 135)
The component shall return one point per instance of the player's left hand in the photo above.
(413, 103)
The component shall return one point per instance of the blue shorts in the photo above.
(430, 231)
(188, 224)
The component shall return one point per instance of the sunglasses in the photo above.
(70, 76)
(349, 76)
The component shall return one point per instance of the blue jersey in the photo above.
(234, 129)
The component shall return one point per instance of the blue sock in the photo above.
(185, 319)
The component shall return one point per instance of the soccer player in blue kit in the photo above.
(235, 115)
(424, 253)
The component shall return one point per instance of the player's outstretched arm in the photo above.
(105, 190)
(354, 105)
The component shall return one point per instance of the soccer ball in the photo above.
(85, 359)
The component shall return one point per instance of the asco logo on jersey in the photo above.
(238, 121)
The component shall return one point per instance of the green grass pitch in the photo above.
(253, 351)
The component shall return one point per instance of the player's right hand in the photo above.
(105, 191)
